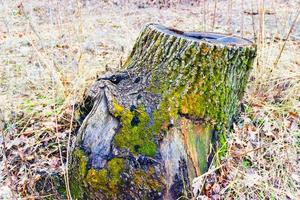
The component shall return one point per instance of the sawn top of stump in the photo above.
(214, 38)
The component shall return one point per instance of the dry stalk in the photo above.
(287, 37)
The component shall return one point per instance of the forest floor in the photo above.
(51, 51)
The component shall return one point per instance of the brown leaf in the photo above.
(216, 188)
(30, 157)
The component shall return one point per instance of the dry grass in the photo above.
(50, 51)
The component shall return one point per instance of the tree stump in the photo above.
(152, 127)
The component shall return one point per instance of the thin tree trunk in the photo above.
(152, 127)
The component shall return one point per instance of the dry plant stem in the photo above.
(30, 23)
(256, 149)
(43, 59)
(26, 125)
(229, 17)
(68, 154)
(214, 15)
(5, 18)
(203, 177)
(204, 10)
(209, 172)
(253, 23)
(261, 30)
(78, 3)
(242, 19)
(287, 37)
(59, 18)
(59, 147)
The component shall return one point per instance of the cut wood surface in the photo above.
(152, 127)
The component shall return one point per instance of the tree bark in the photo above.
(152, 127)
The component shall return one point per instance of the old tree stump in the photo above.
(152, 127)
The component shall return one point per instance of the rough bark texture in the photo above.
(151, 128)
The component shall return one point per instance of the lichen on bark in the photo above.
(153, 124)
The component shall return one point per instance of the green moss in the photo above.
(118, 109)
(192, 104)
(106, 179)
(202, 87)
(78, 173)
(79, 154)
(76, 189)
(222, 146)
(161, 117)
(115, 167)
(136, 134)
(62, 190)
(148, 180)
(98, 180)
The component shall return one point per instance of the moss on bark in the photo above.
(106, 180)
(175, 93)
(136, 134)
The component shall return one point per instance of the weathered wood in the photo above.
(153, 125)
